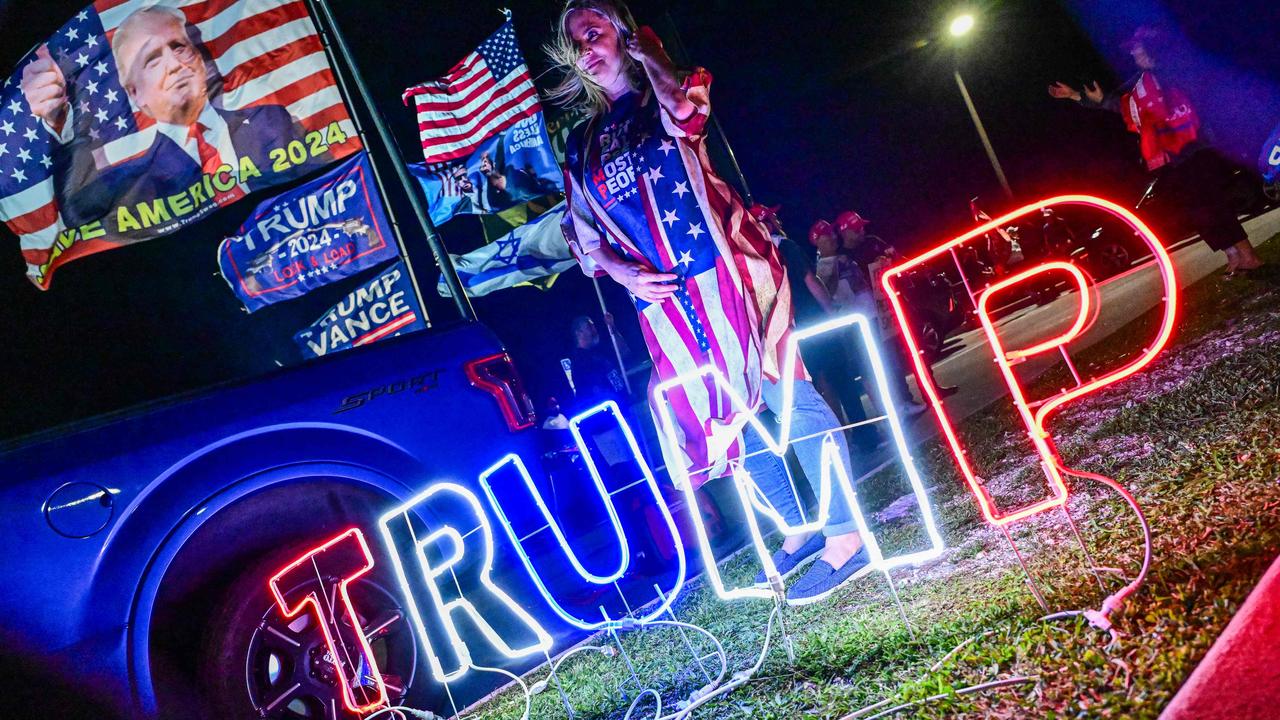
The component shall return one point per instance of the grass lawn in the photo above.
(1193, 437)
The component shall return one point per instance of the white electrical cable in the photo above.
(740, 678)
(942, 696)
(606, 650)
(1101, 618)
(647, 691)
(528, 696)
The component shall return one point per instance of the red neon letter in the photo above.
(341, 560)
(1035, 421)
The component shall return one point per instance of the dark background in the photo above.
(829, 106)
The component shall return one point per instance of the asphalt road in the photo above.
(1124, 297)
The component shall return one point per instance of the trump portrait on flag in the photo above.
(161, 65)
(141, 117)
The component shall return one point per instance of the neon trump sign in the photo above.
(441, 541)
(442, 545)
(1033, 413)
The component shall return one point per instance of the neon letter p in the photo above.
(1034, 419)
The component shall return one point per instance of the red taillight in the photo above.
(497, 375)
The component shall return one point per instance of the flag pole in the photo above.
(613, 337)
(450, 274)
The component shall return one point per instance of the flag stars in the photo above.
(695, 229)
(669, 217)
(654, 175)
(121, 124)
(73, 34)
(24, 155)
(15, 107)
(666, 147)
(84, 106)
(6, 127)
(91, 41)
(686, 259)
(82, 60)
(111, 95)
(101, 115)
(18, 175)
(681, 189)
(82, 16)
(100, 68)
(4, 149)
(30, 134)
(92, 87)
(46, 162)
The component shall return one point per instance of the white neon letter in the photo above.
(750, 496)
(607, 496)
(521, 635)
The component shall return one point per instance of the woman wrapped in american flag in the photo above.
(647, 209)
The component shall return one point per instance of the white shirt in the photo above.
(218, 135)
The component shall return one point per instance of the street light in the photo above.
(961, 26)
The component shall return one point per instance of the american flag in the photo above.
(266, 51)
(732, 308)
(487, 92)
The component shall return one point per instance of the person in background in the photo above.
(1157, 108)
(594, 370)
(871, 256)
(647, 208)
(834, 370)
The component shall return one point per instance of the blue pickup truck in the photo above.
(141, 543)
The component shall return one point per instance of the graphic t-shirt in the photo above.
(661, 217)
(842, 277)
(629, 140)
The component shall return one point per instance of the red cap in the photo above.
(820, 228)
(850, 219)
(1145, 36)
(764, 212)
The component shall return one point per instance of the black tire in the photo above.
(1109, 258)
(254, 663)
(1271, 191)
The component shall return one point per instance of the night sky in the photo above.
(828, 106)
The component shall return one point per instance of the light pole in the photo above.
(960, 27)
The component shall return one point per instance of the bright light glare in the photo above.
(962, 25)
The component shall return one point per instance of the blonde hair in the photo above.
(577, 90)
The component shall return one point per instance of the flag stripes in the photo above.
(486, 92)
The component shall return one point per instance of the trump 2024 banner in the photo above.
(137, 118)
(330, 228)
(381, 308)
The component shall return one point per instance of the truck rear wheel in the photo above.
(257, 663)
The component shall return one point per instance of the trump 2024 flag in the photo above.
(330, 228)
(137, 118)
